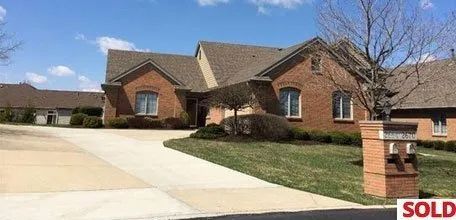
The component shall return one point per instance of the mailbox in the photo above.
(393, 149)
(411, 148)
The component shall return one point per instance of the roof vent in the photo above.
(253, 55)
(280, 49)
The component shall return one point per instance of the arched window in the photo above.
(342, 106)
(146, 103)
(290, 102)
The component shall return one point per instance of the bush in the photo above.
(320, 136)
(185, 119)
(173, 123)
(419, 143)
(88, 110)
(118, 123)
(300, 134)
(357, 140)
(28, 116)
(75, 111)
(450, 146)
(7, 115)
(77, 119)
(92, 122)
(209, 132)
(143, 122)
(341, 138)
(439, 145)
(427, 144)
(212, 125)
(259, 126)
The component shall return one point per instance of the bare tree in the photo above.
(235, 98)
(388, 43)
(7, 45)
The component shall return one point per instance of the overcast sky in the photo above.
(65, 41)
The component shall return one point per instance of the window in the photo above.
(146, 103)
(316, 64)
(439, 125)
(290, 102)
(342, 106)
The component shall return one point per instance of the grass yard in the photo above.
(329, 170)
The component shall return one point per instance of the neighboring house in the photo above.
(157, 85)
(432, 105)
(52, 106)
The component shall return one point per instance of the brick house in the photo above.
(432, 105)
(51, 106)
(163, 85)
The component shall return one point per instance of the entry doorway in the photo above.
(192, 111)
(51, 117)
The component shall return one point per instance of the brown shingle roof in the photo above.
(227, 60)
(230, 63)
(23, 95)
(184, 68)
(438, 90)
(235, 63)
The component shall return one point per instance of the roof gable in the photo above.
(147, 62)
(184, 69)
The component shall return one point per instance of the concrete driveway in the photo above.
(166, 183)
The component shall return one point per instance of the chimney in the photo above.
(452, 53)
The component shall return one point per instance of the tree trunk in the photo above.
(235, 127)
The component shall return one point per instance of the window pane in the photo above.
(152, 103)
(336, 105)
(443, 124)
(284, 101)
(346, 106)
(436, 127)
(294, 103)
(140, 103)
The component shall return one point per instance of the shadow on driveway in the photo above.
(348, 214)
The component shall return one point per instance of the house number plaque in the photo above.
(397, 135)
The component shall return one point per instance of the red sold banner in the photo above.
(426, 209)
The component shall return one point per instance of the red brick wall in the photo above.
(110, 107)
(316, 96)
(424, 120)
(147, 78)
(215, 115)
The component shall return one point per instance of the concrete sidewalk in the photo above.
(182, 185)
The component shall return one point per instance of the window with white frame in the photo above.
(146, 103)
(439, 125)
(342, 106)
(290, 102)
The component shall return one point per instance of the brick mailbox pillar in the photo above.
(389, 159)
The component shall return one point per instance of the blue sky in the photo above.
(65, 41)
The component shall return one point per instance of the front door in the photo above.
(192, 111)
(51, 117)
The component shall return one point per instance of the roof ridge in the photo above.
(56, 90)
(153, 53)
(240, 44)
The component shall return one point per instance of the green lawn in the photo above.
(329, 170)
